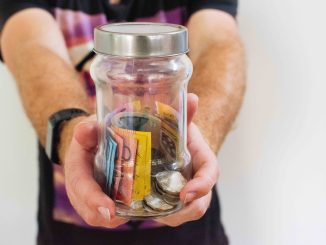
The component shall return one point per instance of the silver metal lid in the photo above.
(141, 39)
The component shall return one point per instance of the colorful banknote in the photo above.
(139, 121)
(169, 141)
(110, 159)
(134, 106)
(142, 167)
(167, 113)
(169, 135)
(129, 150)
(117, 168)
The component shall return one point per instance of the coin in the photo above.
(168, 198)
(137, 205)
(170, 182)
(171, 201)
(158, 189)
(156, 203)
(149, 209)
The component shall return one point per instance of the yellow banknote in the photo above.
(167, 113)
(142, 177)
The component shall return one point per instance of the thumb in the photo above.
(86, 134)
(192, 106)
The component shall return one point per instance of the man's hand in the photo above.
(196, 194)
(219, 81)
(86, 196)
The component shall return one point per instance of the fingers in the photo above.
(87, 197)
(194, 211)
(197, 192)
(205, 167)
(192, 106)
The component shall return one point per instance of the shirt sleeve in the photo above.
(10, 7)
(229, 6)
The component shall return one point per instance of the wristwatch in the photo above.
(54, 127)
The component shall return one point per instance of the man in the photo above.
(47, 47)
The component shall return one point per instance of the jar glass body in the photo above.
(142, 161)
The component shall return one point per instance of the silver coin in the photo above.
(171, 201)
(158, 189)
(137, 205)
(156, 203)
(171, 182)
(149, 209)
(165, 194)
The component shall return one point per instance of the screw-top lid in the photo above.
(140, 39)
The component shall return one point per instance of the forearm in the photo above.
(219, 81)
(37, 57)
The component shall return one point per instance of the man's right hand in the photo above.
(86, 196)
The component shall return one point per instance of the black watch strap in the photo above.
(54, 126)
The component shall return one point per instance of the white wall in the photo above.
(18, 173)
(273, 183)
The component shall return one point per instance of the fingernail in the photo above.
(105, 212)
(190, 196)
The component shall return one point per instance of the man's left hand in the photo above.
(196, 195)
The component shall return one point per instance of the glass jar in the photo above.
(141, 73)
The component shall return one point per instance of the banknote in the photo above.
(139, 121)
(142, 179)
(108, 152)
(169, 132)
(142, 172)
(167, 113)
(164, 130)
(129, 150)
(169, 141)
(134, 106)
(110, 157)
(118, 160)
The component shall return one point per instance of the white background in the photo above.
(273, 183)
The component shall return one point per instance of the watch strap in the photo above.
(54, 127)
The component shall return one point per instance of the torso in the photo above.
(58, 221)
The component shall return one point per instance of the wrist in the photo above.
(66, 135)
